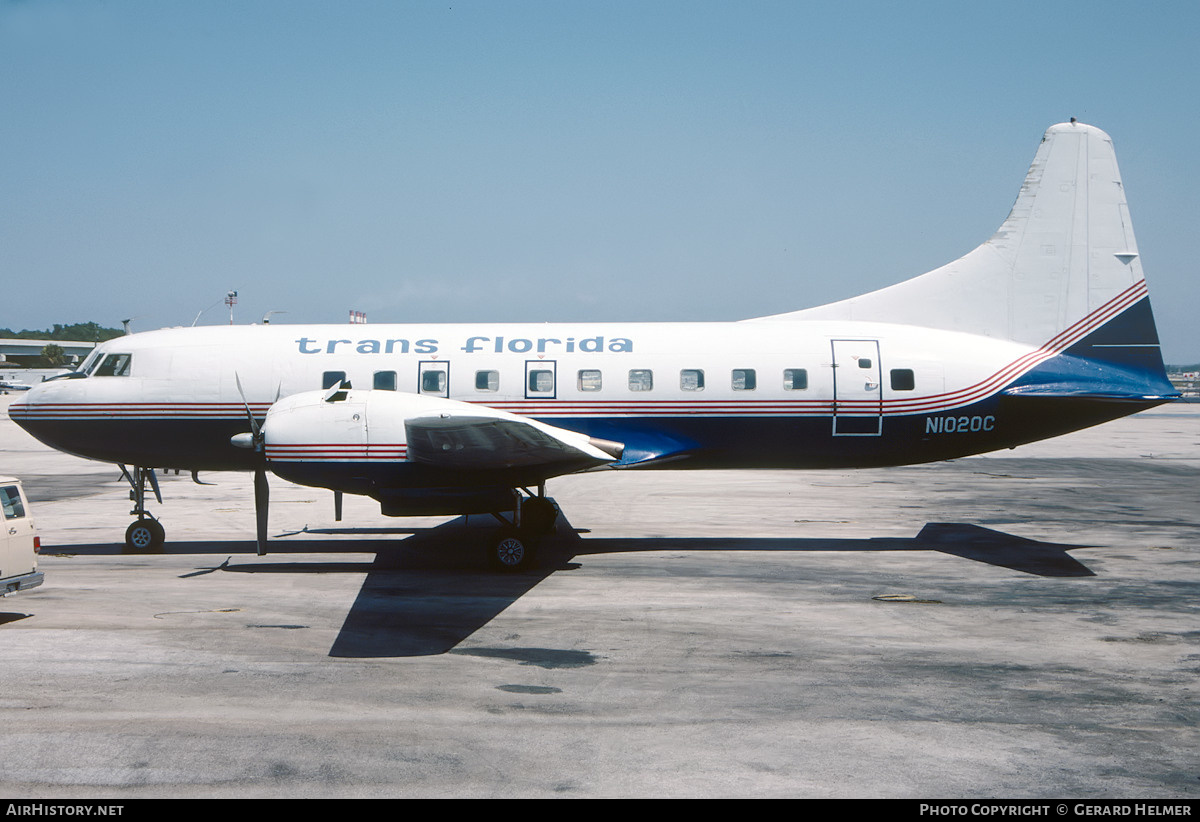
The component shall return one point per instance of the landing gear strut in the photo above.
(145, 533)
(514, 545)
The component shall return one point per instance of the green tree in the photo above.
(84, 332)
(53, 355)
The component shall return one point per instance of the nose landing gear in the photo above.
(145, 533)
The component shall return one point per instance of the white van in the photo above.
(19, 544)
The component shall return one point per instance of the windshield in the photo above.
(114, 365)
(90, 362)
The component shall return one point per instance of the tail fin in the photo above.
(1063, 263)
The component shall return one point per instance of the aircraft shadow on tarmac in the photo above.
(425, 594)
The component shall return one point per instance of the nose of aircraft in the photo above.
(55, 413)
(28, 409)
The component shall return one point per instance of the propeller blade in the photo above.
(253, 422)
(262, 491)
(262, 494)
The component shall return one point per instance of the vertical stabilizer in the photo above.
(1065, 255)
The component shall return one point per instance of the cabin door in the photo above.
(857, 389)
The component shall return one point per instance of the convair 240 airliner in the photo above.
(1045, 328)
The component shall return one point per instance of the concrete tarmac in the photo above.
(1024, 624)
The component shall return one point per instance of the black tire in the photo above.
(538, 515)
(144, 535)
(512, 550)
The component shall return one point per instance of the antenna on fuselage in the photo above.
(202, 310)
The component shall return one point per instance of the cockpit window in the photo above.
(89, 364)
(114, 365)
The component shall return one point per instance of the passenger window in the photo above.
(864, 362)
(744, 379)
(433, 382)
(10, 497)
(487, 380)
(641, 379)
(795, 379)
(331, 378)
(541, 381)
(114, 365)
(385, 380)
(691, 379)
(903, 379)
(589, 380)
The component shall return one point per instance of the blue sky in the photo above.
(570, 160)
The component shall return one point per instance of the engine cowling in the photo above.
(418, 454)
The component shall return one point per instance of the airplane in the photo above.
(1043, 329)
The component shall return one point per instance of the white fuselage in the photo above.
(706, 385)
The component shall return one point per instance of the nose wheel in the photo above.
(145, 535)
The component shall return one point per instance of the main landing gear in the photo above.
(145, 533)
(514, 545)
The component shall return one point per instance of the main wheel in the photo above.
(144, 535)
(512, 550)
(538, 515)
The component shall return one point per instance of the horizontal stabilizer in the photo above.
(1075, 393)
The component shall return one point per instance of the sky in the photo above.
(574, 160)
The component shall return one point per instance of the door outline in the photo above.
(863, 414)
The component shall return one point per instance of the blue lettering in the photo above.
(589, 345)
(959, 425)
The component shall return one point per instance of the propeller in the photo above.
(262, 491)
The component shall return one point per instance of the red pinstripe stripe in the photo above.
(583, 408)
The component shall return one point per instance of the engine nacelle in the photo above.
(413, 452)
